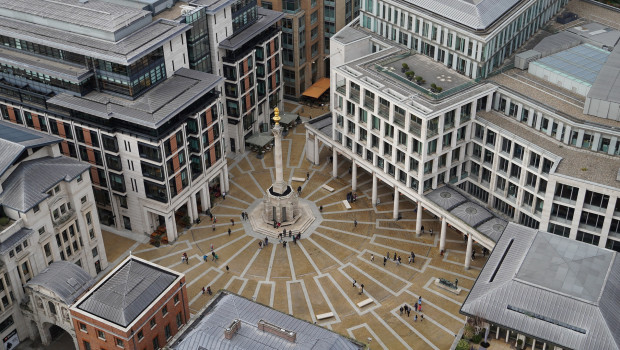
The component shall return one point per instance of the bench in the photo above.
(324, 316)
(330, 189)
(365, 302)
(346, 204)
(299, 179)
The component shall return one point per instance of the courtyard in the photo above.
(315, 276)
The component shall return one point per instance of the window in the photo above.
(179, 320)
(83, 328)
(86, 345)
(83, 200)
(156, 343)
(566, 192)
(167, 331)
(140, 335)
(100, 335)
(176, 299)
(153, 322)
(95, 252)
(559, 230)
(119, 343)
(164, 310)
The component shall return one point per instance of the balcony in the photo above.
(342, 89)
(62, 219)
(384, 111)
(369, 103)
(355, 96)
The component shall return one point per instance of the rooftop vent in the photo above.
(278, 331)
(231, 330)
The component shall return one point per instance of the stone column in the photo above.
(470, 243)
(353, 176)
(279, 186)
(204, 197)
(316, 150)
(396, 195)
(374, 189)
(171, 228)
(442, 238)
(335, 163)
(194, 207)
(190, 208)
(418, 221)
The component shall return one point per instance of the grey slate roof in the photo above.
(121, 297)
(67, 280)
(539, 285)
(15, 239)
(493, 228)
(14, 140)
(265, 19)
(153, 108)
(475, 14)
(27, 185)
(208, 331)
(96, 14)
(125, 51)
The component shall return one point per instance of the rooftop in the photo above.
(62, 70)
(153, 108)
(607, 84)
(529, 270)
(580, 63)
(28, 184)
(265, 19)
(207, 332)
(575, 162)
(14, 140)
(67, 280)
(127, 291)
(95, 14)
(474, 14)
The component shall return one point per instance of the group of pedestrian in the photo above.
(351, 197)
(361, 287)
(277, 224)
(244, 215)
(208, 290)
(184, 258)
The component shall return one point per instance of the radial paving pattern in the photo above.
(315, 275)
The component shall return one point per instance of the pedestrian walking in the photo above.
(420, 301)
(355, 223)
(395, 257)
(408, 312)
(412, 257)
(227, 269)
(204, 258)
(473, 254)
(284, 244)
(229, 231)
(211, 247)
(321, 208)
(415, 319)
(182, 258)
(484, 252)
(421, 318)
(266, 241)
(354, 282)
(384, 260)
(211, 216)
(372, 257)
(186, 258)
(242, 215)
(203, 290)
(362, 285)
(209, 290)
(387, 254)
(399, 260)
(215, 219)
(422, 228)
(409, 260)
(307, 176)
(232, 221)
(295, 240)
(401, 310)
(431, 232)
(415, 307)
(299, 190)
(212, 256)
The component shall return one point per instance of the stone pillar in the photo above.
(335, 163)
(316, 150)
(204, 197)
(279, 186)
(396, 195)
(353, 176)
(190, 208)
(470, 243)
(442, 238)
(171, 228)
(418, 221)
(374, 189)
(194, 207)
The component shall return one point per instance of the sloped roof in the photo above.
(14, 140)
(123, 295)
(28, 184)
(475, 14)
(15, 239)
(67, 280)
(551, 288)
(208, 331)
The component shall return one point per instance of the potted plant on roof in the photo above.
(434, 87)
(419, 80)
(410, 74)
(405, 67)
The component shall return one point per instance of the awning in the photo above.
(317, 89)
(261, 140)
(288, 118)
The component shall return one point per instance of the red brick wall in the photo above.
(92, 325)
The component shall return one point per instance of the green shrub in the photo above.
(468, 331)
(476, 339)
(4, 220)
(462, 345)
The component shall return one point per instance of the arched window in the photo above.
(52, 307)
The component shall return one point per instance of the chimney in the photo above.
(231, 330)
(277, 331)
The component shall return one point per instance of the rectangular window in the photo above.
(100, 335)
(120, 343)
(153, 323)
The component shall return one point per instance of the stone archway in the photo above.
(57, 335)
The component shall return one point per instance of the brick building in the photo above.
(139, 305)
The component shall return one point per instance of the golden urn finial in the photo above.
(276, 117)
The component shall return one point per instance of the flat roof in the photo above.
(95, 14)
(575, 162)
(126, 292)
(125, 51)
(207, 331)
(606, 87)
(265, 19)
(580, 63)
(552, 288)
(153, 108)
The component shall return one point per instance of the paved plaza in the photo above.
(315, 276)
